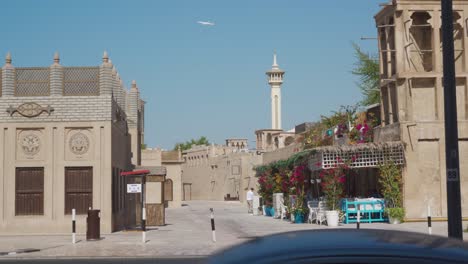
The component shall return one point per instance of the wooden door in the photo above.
(187, 191)
(132, 205)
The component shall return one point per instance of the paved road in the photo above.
(187, 233)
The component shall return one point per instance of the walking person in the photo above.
(250, 196)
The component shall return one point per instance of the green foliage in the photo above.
(143, 146)
(398, 213)
(202, 141)
(344, 115)
(295, 160)
(316, 136)
(368, 71)
(391, 182)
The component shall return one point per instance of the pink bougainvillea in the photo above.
(333, 181)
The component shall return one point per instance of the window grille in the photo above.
(82, 81)
(78, 189)
(29, 191)
(32, 82)
(360, 156)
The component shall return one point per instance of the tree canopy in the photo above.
(367, 69)
(202, 141)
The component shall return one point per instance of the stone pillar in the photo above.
(105, 76)
(120, 90)
(8, 78)
(437, 57)
(133, 104)
(132, 116)
(56, 77)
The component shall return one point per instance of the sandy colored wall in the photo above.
(174, 172)
(281, 154)
(424, 175)
(218, 176)
(151, 157)
(54, 156)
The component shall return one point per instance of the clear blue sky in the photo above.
(198, 80)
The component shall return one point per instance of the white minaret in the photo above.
(275, 79)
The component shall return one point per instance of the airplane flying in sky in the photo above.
(206, 23)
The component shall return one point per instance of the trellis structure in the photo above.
(32, 81)
(368, 155)
(81, 81)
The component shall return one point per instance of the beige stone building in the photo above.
(218, 172)
(66, 133)
(410, 47)
(173, 162)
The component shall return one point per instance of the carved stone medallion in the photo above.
(30, 109)
(31, 144)
(79, 144)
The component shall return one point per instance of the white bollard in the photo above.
(429, 220)
(143, 233)
(213, 232)
(73, 226)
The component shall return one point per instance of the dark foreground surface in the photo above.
(161, 260)
(346, 246)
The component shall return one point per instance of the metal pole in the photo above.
(143, 210)
(358, 223)
(455, 229)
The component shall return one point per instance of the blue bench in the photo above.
(370, 210)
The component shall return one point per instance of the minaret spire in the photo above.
(275, 65)
(275, 80)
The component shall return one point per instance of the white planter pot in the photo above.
(394, 221)
(292, 218)
(332, 218)
(264, 212)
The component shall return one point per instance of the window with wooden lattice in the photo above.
(29, 191)
(78, 189)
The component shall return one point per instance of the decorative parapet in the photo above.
(82, 81)
(368, 155)
(33, 81)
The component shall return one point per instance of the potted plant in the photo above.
(332, 181)
(391, 182)
(297, 179)
(395, 215)
(299, 214)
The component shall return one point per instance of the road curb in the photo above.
(19, 251)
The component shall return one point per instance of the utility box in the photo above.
(256, 205)
(93, 225)
(278, 200)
